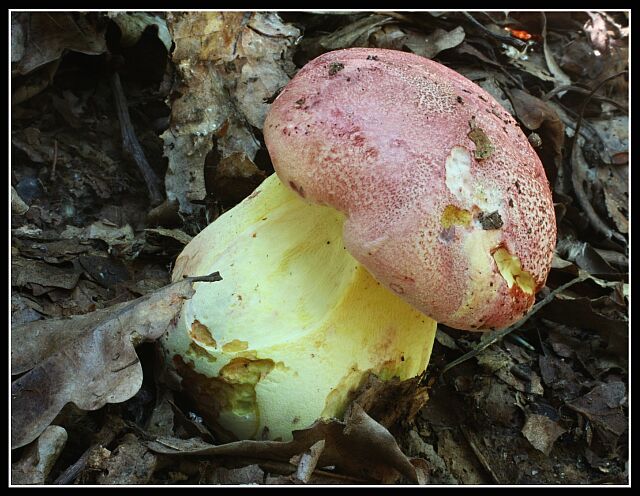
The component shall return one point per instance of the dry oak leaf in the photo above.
(88, 360)
(359, 447)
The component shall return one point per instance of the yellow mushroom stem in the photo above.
(295, 324)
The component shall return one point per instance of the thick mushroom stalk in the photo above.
(295, 324)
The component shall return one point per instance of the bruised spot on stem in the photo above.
(234, 391)
(200, 333)
(235, 346)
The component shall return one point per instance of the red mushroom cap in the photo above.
(447, 203)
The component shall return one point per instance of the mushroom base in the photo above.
(294, 326)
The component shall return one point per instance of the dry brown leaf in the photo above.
(437, 469)
(28, 272)
(539, 116)
(530, 62)
(89, 360)
(542, 432)
(307, 461)
(177, 235)
(18, 35)
(432, 44)
(49, 34)
(354, 34)
(23, 310)
(133, 24)
(236, 176)
(614, 135)
(603, 407)
(468, 49)
(130, 463)
(229, 63)
(263, 65)
(615, 183)
(460, 459)
(251, 474)
(392, 403)
(389, 36)
(38, 459)
(495, 400)
(118, 238)
(584, 256)
(359, 446)
(583, 312)
(558, 375)
(18, 206)
(560, 77)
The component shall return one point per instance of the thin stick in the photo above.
(578, 164)
(480, 455)
(500, 37)
(498, 335)
(130, 144)
(584, 91)
(55, 160)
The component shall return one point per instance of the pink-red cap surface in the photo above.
(446, 202)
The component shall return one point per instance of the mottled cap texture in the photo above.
(446, 202)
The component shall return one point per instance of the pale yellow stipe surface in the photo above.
(295, 304)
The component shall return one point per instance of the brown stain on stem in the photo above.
(234, 389)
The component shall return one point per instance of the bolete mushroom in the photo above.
(404, 194)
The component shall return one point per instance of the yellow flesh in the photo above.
(291, 297)
(511, 270)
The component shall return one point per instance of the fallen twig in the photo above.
(559, 76)
(131, 145)
(109, 431)
(479, 455)
(55, 160)
(578, 168)
(489, 339)
(500, 37)
(571, 87)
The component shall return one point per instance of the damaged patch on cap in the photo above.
(454, 216)
(484, 147)
(458, 176)
(511, 271)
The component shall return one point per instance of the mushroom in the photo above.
(404, 195)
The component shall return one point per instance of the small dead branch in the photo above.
(496, 336)
(479, 455)
(131, 145)
(570, 87)
(561, 78)
(54, 161)
(500, 37)
(112, 428)
(579, 168)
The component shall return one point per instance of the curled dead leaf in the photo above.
(89, 360)
(49, 34)
(359, 446)
(431, 45)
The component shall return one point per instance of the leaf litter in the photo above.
(543, 403)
